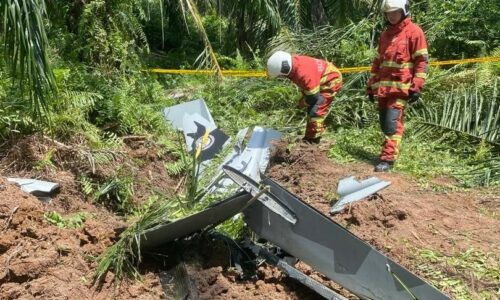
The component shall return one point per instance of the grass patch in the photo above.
(471, 274)
(74, 221)
(419, 156)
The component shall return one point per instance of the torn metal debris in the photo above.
(176, 114)
(266, 198)
(35, 187)
(334, 251)
(351, 190)
(195, 121)
(252, 161)
(292, 272)
(169, 231)
(283, 219)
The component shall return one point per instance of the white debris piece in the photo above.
(35, 187)
(350, 190)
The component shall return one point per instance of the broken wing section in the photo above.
(334, 251)
(166, 232)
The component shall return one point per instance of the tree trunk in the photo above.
(318, 14)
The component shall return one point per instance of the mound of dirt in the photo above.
(403, 213)
(40, 260)
(204, 271)
(401, 218)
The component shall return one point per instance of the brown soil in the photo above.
(206, 264)
(401, 218)
(404, 214)
(41, 261)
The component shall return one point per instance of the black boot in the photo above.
(384, 166)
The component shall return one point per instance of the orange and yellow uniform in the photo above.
(399, 70)
(319, 82)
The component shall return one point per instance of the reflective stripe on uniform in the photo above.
(393, 64)
(401, 102)
(394, 137)
(421, 75)
(316, 119)
(313, 91)
(422, 51)
(396, 84)
(330, 68)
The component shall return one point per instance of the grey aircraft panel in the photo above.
(175, 114)
(214, 214)
(251, 161)
(34, 186)
(351, 190)
(334, 251)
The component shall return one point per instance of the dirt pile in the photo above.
(205, 271)
(404, 218)
(40, 260)
(404, 214)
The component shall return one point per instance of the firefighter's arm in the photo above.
(420, 57)
(375, 69)
(373, 73)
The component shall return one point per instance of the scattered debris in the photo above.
(35, 187)
(351, 190)
(291, 224)
(175, 114)
(199, 129)
(334, 251)
(292, 272)
(220, 211)
(252, 161)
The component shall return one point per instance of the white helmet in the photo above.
(392, 5)
(280, 63)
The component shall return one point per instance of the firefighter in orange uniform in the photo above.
(397, 76)
(319, 82)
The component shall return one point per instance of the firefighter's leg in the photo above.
(315, 126)
(392, 123)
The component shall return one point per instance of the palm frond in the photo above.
(207, 57)
(485, 172)
(25, 43)
(464, 111)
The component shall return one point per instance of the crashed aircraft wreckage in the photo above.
(283, 219)
(331, 249)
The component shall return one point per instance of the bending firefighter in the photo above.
(397, 76)
(319, 82)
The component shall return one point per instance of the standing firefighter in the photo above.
(397, 76)
(319, 82)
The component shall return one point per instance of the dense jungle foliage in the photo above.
(77, 71)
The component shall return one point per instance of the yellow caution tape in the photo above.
(245, 73)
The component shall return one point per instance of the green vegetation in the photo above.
(75, 221)
(76, 71)
(466, 275)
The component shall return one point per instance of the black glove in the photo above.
(414, 97)
(371, 98)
